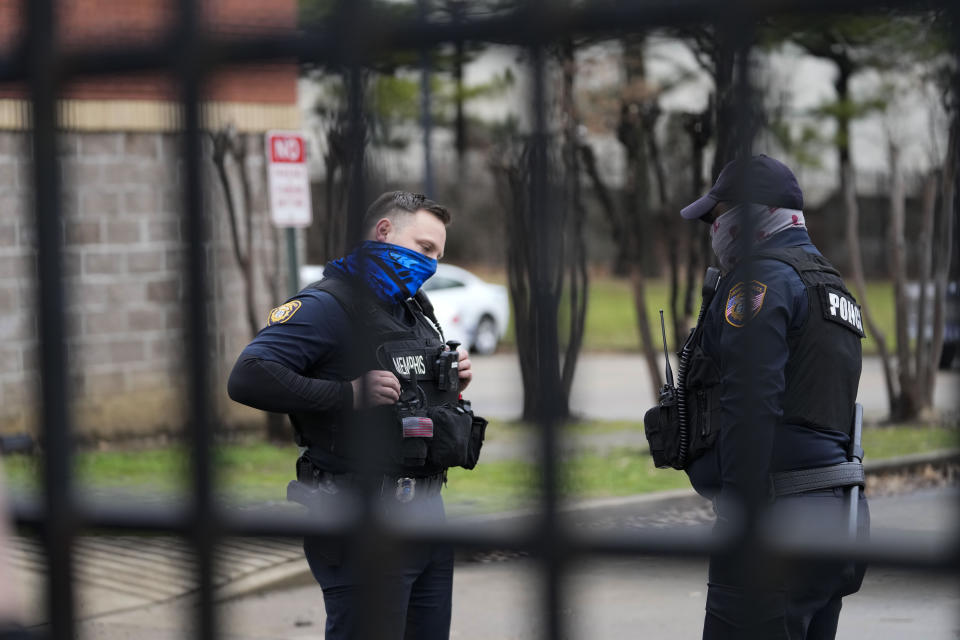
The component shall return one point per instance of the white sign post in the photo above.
(288, 184)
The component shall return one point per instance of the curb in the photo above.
(297, 573)
(912, 461)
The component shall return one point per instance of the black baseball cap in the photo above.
(768, 181)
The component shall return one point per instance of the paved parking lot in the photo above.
(613, 386)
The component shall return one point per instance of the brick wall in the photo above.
(86, 23)
(124, 284)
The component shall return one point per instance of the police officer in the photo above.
(370, 385)
(771, 378)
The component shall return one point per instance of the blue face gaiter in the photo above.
(393, 273)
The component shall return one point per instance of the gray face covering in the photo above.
(767, 221)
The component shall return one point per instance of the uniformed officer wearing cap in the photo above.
(360, 365)
(771, 387)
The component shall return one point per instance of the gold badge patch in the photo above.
(283, 313)
(736, 310)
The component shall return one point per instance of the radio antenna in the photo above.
(663, 332)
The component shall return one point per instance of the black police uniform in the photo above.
(794, 375)
(301, 364)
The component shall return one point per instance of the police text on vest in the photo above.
(843, 308)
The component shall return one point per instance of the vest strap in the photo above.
(802, 261)
(845, 474)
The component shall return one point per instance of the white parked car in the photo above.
(470, 310)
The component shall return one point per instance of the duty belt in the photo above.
(845, 474)
(403, 488)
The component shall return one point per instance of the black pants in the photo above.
(413, 587)
(801, 601)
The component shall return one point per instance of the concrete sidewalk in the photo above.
(636, 597)
(126, 573)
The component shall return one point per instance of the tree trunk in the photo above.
(636, 207)
(574, 262)
(842, 86)
(699, 128)
(860, 285)
(725, 118)
(924, 281)
(943, 249)
(228, 144)
(533, 287)
(908, 402)
(221, 146)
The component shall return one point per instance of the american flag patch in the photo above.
(736, 308)
(417, 427)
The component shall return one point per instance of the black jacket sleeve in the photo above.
(271, 386)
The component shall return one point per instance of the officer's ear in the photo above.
(381, 230)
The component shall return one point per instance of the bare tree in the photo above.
(646, 201)
(699, 129)
(911, 387)
(230, 155)
(855, 44)
(229, 148)
(565, 282)
(944, 238)
(574, 214)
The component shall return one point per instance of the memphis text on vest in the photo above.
(406, 364)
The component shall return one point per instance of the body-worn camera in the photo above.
(448, 368)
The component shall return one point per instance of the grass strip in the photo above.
(611, 323)
(259, 472)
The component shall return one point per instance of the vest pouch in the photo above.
(661, 425)
(452, 435)
(703, 403)
(478, 430)
(414, 452)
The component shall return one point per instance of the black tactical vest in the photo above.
(823, 369)
(409, 347)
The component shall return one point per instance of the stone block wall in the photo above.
(124, 283)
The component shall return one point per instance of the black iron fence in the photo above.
(350, 38)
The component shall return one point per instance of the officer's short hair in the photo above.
(394, 203)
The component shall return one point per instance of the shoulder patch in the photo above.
(840, 307)
(737, 302)
(283, 313)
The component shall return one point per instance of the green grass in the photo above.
(260, 472)
(251, 472)
(500, 485)
(612, 320)
(889, 441)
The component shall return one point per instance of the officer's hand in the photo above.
(375, 388)
(466, 375)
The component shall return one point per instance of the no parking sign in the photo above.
(288, 180)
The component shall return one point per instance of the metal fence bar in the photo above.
(323, 43)
(747, 554)
(543, 243)
(113, 518)
(426, 116)
(953, 14)
(535, 25)
(202, 526)
(54, 407)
